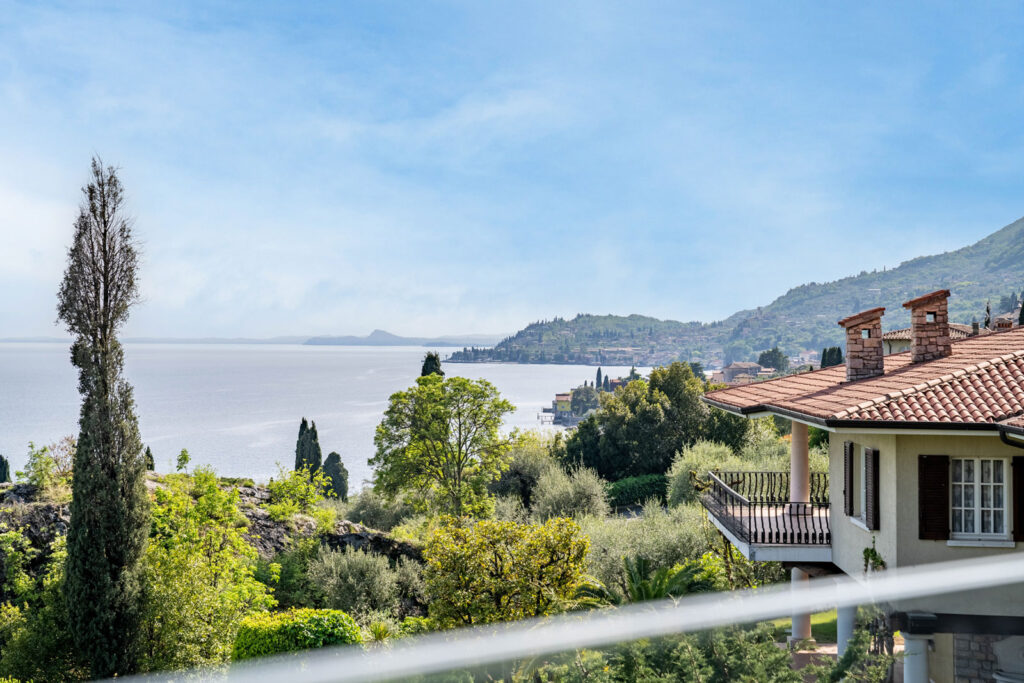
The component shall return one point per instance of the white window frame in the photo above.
(1007, 507)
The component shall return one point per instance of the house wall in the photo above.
(897, 539)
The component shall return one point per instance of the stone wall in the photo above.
(864, 356)
(929, 338)
(975, 660)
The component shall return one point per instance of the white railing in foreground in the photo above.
(479, 646)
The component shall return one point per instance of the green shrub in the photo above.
(510, 509)
(288, 574)
(530, 457)
(355, 581)
(412, 626)
(664, 537)
(300, 629)
(295, 492)
(574, 494)
(638, 490)
(373, 510)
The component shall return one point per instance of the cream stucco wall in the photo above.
(897, 539)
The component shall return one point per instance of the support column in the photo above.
(915, 658)
(799, 465)
(799, 492)
(846, 619)
(801, 621)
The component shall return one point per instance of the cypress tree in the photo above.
(109, 507)
(5, 470)
(336, 473)
(598, 382)
(988, 316)
(150, 463)
(300, 445)
(432, 364)
(314, 456)
(1020, 318)
(607, 384)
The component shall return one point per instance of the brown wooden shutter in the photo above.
(933, 497)
(1018, 497)
(871, 516)
(848, 478)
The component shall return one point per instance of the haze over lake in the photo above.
(237, 407)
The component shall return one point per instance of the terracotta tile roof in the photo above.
(956, 331)
(980, 383)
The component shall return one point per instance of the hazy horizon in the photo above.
(463, 168)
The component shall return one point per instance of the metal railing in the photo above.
(766, 515)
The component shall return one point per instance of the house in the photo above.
(732, 371)
(926, 464)
(898, 341)
(562, 406)
(1006, 320)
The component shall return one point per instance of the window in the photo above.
(865, 333)
(979, 497)
(929, 316)
(861, 485)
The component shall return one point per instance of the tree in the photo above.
(5, 470)
(773, 358)
(183, 460)
(1020, 318)
(440, 439)
(698, 368)
(598, 381)
(150, 462)
(432, 364)
(308, 455)
(607, 384)
(988, 316)
(109, 505)
(583, 399)
(337, 476)
(502, 571)
(833, 355)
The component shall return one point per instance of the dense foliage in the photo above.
(337, 476)
(641, 426)
(308, 455)
(490, 571)
(637, 490)
(431, 364)
(295, 630)
(5, 469)
(109, 506)
(440, 444)
(575, 493)
(775, 359)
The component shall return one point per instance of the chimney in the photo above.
(975, 328)
(929, 326)
(864, 344)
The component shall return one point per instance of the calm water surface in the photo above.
(237, 407)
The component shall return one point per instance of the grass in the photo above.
(823, 627)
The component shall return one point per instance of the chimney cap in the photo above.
(862, 317)
(927, 298)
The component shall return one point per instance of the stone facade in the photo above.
(975, 659)
(864, 353)
(929, 326)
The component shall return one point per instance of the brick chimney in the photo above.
(864, 344)
(929, 326)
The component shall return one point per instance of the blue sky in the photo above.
(429, 168)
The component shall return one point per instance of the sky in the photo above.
(469, 167)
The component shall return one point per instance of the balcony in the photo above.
(754, 512)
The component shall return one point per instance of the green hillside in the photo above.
(803, 318)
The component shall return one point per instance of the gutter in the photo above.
(1007, 440)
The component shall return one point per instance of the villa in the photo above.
(926, 464)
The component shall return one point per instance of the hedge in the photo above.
(637, 490)
(271, 633)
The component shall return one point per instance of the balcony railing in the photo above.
(755, 506)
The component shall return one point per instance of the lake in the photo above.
(238, 407)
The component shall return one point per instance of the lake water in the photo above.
(237, 407)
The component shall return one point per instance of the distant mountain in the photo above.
(382, 338)
(803, 318)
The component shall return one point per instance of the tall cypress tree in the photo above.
(301, 445)
(150, 462)
(337, 475)
(5, 470)
(314, 456)
(598, 382)
(109, 507)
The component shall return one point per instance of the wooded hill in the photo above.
(803, 318)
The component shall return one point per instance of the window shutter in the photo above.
(848, 478)
(1018, 497)
(933, 497)
(871, 516)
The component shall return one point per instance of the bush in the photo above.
(698, 460)
(299, 629)
(288, 574)
(501, 571)
(637, 490)
(575, 494)
(373, 510)
(510, 509)
(530, 459)
(355, 581)
(664, 537)
(295, 492)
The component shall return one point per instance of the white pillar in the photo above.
(799, 465)
(801, 620)
(915, 658)
(846, 619)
